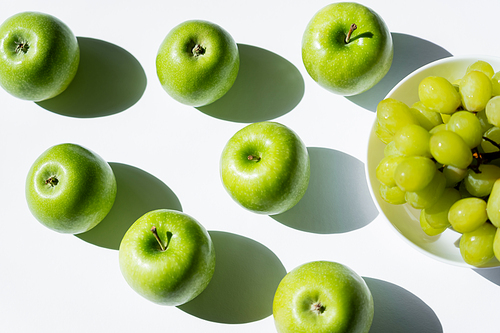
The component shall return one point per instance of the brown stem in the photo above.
(253, 158)
(155, 233)
(351, 29)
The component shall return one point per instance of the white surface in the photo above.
(404, 217)
(60, 283)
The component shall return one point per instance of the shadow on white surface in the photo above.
(337, 199)
(242, 289)
(410, 53)
(398, 310)
(109, 80)
(492, 274)
(138, 193)
(267, 86)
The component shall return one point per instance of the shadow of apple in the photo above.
(337, 199)
(267, 86)
(242, 289)
(109, 80)
(138, 193)
(410, 53)
(398, 310)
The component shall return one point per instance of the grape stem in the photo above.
(484, 158)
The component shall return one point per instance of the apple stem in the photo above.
(22, 46)
(155, 233)
(52, 181)
(198, 50)
(351, 29)
(253, 158)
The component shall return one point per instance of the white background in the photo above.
(166, 155)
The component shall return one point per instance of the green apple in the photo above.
(347, 48)
(323, 297)
(197, 62)
(70, 189)
(39, 56)
(167, 257)
(265, 168)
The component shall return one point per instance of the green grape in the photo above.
(438, 94)
(426, 227)
(437, 214)
(493, 111)
(390, 149)
(385, 169)
(392, 115)
(493, 204)
(495, 84)
(492, 134)
(481, 66)
(480, 184)
(383, 134)
(496, 244)
(483, 120)
(393, 195)
(453, 175)
(445, 117)
(467, 214)
(476, 247)
(427, 118)
(414, 173)
(463, 191)
(430, 194)
(467, 125)
(413, 140)
(438, 128)
(475, 89)
(447, 147)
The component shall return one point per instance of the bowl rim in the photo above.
(448, 59)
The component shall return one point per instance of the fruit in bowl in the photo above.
(433, 160)
(39, 56)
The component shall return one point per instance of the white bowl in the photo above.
(404, 218)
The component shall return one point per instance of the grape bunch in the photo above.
(442, 156)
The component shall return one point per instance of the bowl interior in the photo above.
(404, 218)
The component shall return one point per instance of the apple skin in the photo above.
(276, 179)
(174, 276)
(81, 197)
(197, 80)
(50, 62)
(323, 297)
(347, 68)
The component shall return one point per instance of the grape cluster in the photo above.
(442, 156)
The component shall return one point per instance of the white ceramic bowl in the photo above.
(404, 218)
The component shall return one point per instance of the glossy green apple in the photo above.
(265, 168)
(323, 297)
(70, 189)
(347, 48)
(39, 56)
(197, 62)
(167, 257)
